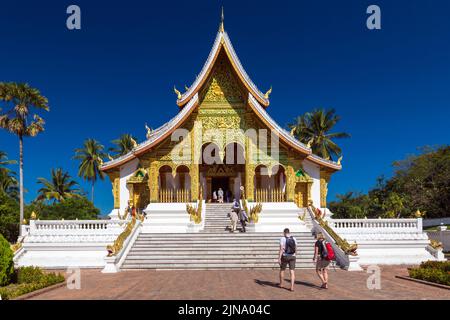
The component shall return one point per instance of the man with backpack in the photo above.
(288, 249)
(323, 255)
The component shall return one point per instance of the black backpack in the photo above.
(290, 247)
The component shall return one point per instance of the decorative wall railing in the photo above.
(75, 225)
(270, 195)
(413, 225)
(175, 195)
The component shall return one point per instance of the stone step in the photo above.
(255, 241)
(211, 266)
(273, 235)
(251, 251)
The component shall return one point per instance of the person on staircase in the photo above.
(243, 218)
(214, 196)
(220, 194)
(233, 220)
(288, 248)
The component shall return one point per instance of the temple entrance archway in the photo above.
(226, 172)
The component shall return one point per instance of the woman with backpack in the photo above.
(322, 257)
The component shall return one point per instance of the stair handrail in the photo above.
(317, 215)
(253, 213)
(115, 248)
(195, 213)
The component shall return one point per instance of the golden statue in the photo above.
(33, 215)
(178, 93)
(134, 143)
(149, 131)
(267, 94)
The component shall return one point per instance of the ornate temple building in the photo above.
(222, 137)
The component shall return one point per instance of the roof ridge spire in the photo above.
(222, 18)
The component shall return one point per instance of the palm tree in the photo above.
(8, 181)
(18, 101)
(60, 188)
(313, 128)
(9, 185)
(124, 144)
(90, 157)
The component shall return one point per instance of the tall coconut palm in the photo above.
(313, 128)
(16, 115)
(59, 188)
(123, 145)
(91, 158)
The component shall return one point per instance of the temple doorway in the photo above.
(224, 184)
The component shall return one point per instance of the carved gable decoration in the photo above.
(220, 171)
(139, 176)
(222, 85)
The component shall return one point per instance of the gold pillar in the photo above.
(324, 179)
(153, 181)
(115, 181)
(290, 183)
(196, 146)
(249, 169)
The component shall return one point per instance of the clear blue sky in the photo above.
(391, 86)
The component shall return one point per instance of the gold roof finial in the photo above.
(222, 18)
(178, 93)
(267, 94)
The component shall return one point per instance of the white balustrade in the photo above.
(411, 225)
(80, 231)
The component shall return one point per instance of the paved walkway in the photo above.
(242, 284)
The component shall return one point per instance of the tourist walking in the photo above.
(321, 257)
(243, 218)
(220, 194)
(233, 220)
(288, 249)
(214, 196)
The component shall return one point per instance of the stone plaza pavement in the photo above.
(241, 285)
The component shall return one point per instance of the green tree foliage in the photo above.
(91, 158)
(18, 101)
(9, 217)
(123, 145)
(6, 262)
(314, 128)
(59, 188)
(8, 181)
(69, 209)
(420, 182)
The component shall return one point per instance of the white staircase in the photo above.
(211, 250)
(215, 247)
(217, 219)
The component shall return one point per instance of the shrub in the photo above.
(431, 275)
(29, 279)
(439, 265)
(6, 262)
(29, 274)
